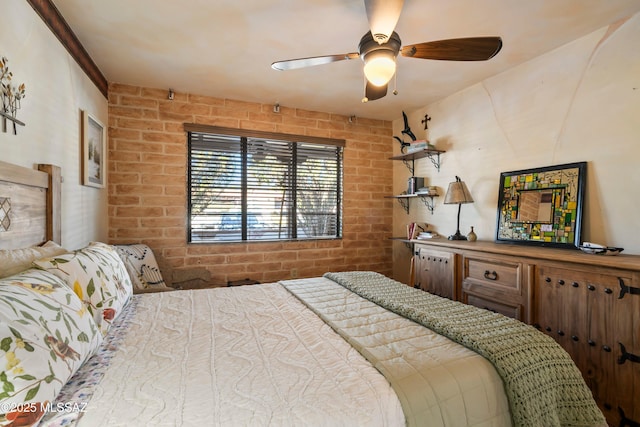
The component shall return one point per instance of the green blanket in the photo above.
(543, 385)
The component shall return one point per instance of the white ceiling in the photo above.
(224, 48)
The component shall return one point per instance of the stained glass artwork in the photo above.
(542, 206)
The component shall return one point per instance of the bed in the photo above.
(348, 348)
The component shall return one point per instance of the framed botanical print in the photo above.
(93, 151)
(542, 206)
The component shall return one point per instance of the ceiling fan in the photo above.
(379, 48)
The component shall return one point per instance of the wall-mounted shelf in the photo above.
(404, 240)
(409, 158)
(404, 199)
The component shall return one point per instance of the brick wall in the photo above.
(147, 186)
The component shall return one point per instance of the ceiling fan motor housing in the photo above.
(368, 45)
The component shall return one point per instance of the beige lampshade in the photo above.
(458, 193)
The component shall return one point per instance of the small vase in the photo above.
(472, 235)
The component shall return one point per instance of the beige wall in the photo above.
(580, 102)
(148, 199)
(56, 92)
(577, 103)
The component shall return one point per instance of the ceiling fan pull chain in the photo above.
(395, 83)
(364, 89)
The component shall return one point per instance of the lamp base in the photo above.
(457, 236)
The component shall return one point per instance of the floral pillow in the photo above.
(99, 278)
(46, 334)
(141, 265)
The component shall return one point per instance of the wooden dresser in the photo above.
(590, 304)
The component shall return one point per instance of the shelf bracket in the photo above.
(435, 159)
(406, 242)
(428, 202)
(404, 203)
(410, 164)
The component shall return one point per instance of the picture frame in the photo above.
(542, 206)
(93, 151)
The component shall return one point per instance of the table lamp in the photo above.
(457, 193)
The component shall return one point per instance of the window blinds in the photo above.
(249, 188)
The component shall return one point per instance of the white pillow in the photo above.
(13, 261)
(141, 265)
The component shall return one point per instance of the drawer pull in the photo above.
(548, 280)
(608, 291)
(575, 338)
(561, 333)
(575, 284)
(561, 282)
(591, 287)
(548, 328)
(606, 348)
(592, 343)
(490, 275)
(627, 356)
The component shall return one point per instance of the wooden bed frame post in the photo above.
(54, 202)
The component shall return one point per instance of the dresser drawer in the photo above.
(503, 276)
(509, 310)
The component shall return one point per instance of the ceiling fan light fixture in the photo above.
(379, 67)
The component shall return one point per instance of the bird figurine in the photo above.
(407, 129)
(403, 145)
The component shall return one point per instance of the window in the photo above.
(259, 186)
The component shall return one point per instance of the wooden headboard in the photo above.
(30, 205)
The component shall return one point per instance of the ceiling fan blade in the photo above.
(372, 92)
(292, 64)
(383, 16)
(467, 49)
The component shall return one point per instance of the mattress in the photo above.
(256, 355)
(250, 355)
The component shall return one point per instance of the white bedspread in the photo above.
(241, 356)
(439, 382)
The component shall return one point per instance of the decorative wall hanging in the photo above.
(93, 151)
(10, 95)
(542, 206)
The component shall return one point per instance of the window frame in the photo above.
(243, 135)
